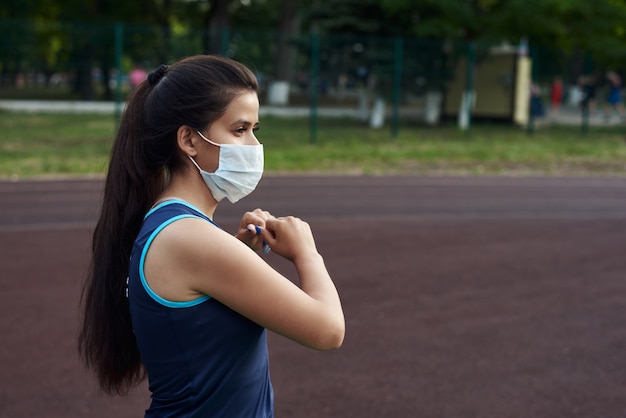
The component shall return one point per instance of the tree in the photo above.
(286, 29)
(218, 24)
(593, 26)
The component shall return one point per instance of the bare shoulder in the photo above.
(186, 252)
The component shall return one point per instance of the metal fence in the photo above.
(382, 82)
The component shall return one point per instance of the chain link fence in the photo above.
(385, 83)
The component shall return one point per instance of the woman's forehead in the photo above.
(244, 107)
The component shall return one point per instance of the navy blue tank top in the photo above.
(202, 358)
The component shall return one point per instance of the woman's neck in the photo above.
(189, 186)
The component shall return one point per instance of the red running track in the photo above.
(464, 297)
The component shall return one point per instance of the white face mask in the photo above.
(239, 170)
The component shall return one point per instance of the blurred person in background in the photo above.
(613, 101)
(587, 85)
(136, 76)
(536, 101)
(556, 94)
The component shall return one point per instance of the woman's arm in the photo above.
(192, 257)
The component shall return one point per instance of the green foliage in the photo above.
(76, 36)
(579, 24)
(593, 26)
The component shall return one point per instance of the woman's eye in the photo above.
(243, 130)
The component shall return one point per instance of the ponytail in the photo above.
(107, 343)
(193, 92)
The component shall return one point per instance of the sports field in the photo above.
(464, 297)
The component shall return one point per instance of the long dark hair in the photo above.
(194, 92)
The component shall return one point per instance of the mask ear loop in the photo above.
(195, 163)
(208, 140)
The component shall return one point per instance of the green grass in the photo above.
(36, 145)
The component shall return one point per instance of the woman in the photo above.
(170, 294)
(614, 97)
(556, 94)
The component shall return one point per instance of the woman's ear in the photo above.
(186, 141)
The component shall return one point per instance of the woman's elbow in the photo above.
(336, 342)
(332, 337)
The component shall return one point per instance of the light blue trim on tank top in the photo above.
(172, 201)
(144, 282)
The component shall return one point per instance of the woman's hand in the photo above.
(252, 229)
(290, 237)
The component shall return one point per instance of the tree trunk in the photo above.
(105, 67)
(83, 83)
(286, 27)
(166, 28)
(217, 25)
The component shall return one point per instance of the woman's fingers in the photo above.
(256, 230)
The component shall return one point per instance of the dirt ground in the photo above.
(464, 297)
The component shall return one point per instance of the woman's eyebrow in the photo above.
(243, 122)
